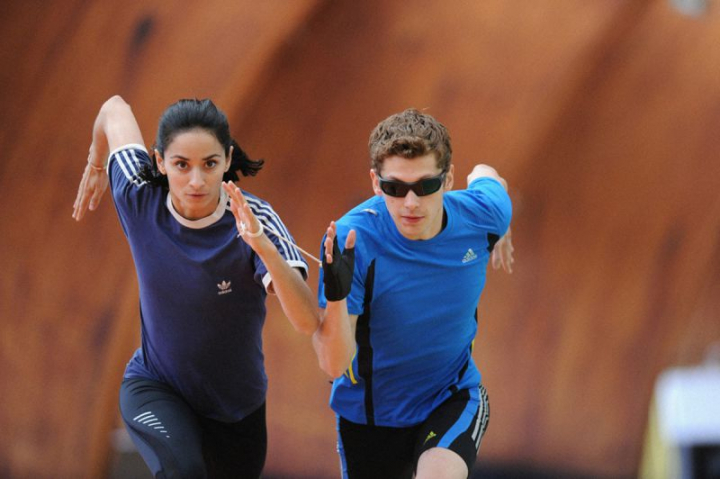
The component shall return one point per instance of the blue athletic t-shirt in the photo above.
(416, 303)
(202, 293)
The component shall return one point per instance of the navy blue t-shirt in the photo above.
(202, 293)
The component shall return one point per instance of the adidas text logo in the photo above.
(224, 288)
(469, 256)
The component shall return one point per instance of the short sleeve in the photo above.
(129, 190)
(486, 205)
(280, 236)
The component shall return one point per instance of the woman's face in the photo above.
(194, 163)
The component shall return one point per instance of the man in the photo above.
(400, 314)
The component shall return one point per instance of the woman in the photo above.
(193, 395)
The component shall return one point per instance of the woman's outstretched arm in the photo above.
(296, 298)
(114, 127)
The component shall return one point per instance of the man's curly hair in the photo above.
(410, 134)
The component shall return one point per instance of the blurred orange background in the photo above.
(603, 115)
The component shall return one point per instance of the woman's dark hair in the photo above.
(186, 115)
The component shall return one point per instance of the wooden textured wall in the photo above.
(68, 292)
(603, 115)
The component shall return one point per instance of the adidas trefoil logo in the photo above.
(469, 256)
(224, 288)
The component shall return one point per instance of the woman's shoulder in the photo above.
(130, 146)
(257, 203)
(131, 157)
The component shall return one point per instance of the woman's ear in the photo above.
(160, 162)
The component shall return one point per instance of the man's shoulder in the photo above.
(369, 211)
(483, 190)
(368, 220)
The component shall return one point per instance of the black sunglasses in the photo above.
(399, 189)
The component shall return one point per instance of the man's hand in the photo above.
(502, 254)
(338, 268)
(486, 171)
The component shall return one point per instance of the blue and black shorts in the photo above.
(458, 424)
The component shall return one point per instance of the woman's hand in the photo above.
(249, 227)
(92, 187)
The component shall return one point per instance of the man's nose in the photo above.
(411, 200)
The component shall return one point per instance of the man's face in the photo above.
(416, 217)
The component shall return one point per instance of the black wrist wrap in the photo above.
(337, 276)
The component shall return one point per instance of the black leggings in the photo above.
(176, 442)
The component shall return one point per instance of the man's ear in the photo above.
(160, 162)
(375, 182)
(449, 178)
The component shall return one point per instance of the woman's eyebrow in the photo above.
(204, 159)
